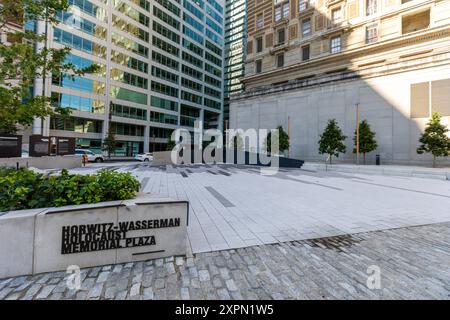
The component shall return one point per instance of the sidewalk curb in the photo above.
(416, 172)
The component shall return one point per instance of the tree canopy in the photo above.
(332, 140)
(367, 141)
(21, 63)
(434, 139)
(109, 143)
(281, 136)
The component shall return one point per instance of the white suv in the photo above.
(146, 157)
(91, 156)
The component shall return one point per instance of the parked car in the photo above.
(91, 156)
(146, 157)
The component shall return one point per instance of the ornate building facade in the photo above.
(312, 60)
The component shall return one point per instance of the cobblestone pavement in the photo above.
(232, 206)
(413, 262)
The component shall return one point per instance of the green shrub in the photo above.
(26, 189)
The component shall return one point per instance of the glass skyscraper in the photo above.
(161, 67)
(235, 49)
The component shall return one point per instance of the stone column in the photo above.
(200, 127)
(40, 126)
(147, 138)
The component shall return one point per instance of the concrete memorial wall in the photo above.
(10, 146)
(51, 239)
(47, 162)
(44, 146)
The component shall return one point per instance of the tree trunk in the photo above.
(330, 158)
(434, 161)
(364, 158)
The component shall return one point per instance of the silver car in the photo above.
(145, 157)
(91, 156)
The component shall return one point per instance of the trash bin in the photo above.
(377, 159)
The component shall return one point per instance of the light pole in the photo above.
(357, 133)
(226, 135)
(289, 136)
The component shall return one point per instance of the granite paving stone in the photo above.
(410, 260)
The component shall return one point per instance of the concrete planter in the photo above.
(51, 239)
(387, 170)
(47, 162)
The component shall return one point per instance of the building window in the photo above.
(306, 27)
(371, 7)
(259, 21)
(303, 5)
(335, 44)
(281, 36)
(305, 53)
(371, 33)
(259, 44)
(415, 22)
(280, 60)
(278, 13)
(281, 10)
(258, 66)
(336, 16)
(286, 10)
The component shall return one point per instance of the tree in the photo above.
(21, 64)
(170, 145)
(332, 140)
(434, 139)
(367, 142)
(109, 143)
(281, 136)
(237, 143)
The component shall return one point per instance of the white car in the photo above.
(146, 157)
(91, 156)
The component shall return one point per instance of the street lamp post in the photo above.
(289, 136)
(357, 133)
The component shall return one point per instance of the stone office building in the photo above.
(235, 50)
(312, 60)
(161, 68)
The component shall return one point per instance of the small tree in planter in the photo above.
(237, 143)
(434, 139)
(109, 143)
(332, 140)
(281, 136)
(170, 145)
(367, 141)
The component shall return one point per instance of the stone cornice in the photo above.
(401, 41)
(360, 70)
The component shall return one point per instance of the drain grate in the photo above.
(336, 243)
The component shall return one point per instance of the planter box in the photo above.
(51, 239)
(47, 162)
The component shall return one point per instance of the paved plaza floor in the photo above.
(235, 206)
(294, 235)
(412, 263)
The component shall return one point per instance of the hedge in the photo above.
(26, 189)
